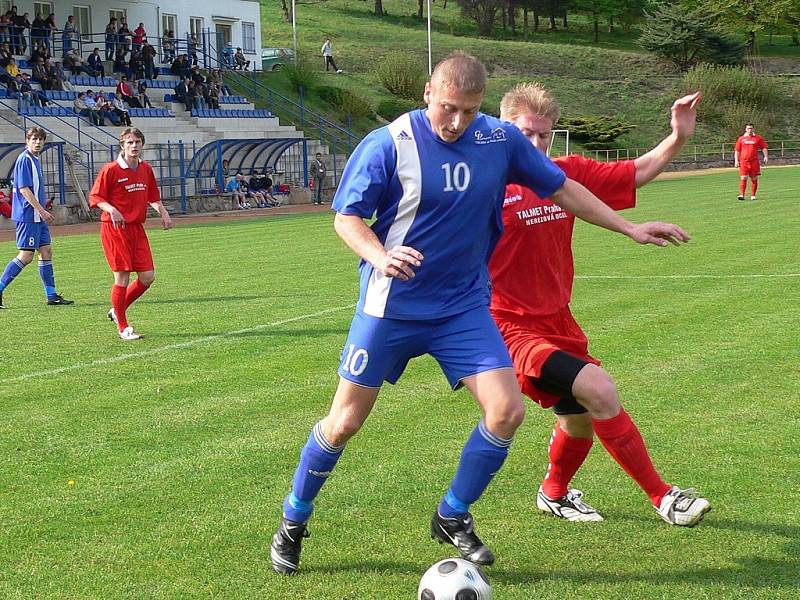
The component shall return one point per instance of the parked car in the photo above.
(272, 59)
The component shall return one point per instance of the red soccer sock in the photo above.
(118, 293)
(754, 184)
(620, 436)
(135, 290)
(566, 457)
(742, 186)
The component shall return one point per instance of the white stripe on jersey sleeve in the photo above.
(409, 173)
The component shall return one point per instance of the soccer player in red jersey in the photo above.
(122, 190)
(745, 156)
(532, 274)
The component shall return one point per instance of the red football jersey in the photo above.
(128, 190)
(748, 146)
(532, 267)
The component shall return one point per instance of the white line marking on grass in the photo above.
(741, 276)
(123, 357)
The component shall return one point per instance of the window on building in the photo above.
(249, 37)
(120, 14)
(5, 5)
(83, 20)
(169, 23)
(196, 26)
(42, 8)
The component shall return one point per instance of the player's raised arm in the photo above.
(398, 262)
(682, 121)
(586, 206)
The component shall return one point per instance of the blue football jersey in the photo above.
(444, 200)
(27, 173)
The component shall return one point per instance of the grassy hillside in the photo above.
(613, 78)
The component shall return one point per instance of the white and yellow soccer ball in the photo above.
(454, 579)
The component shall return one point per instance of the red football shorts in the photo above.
(126, 248)
(531, 343)
(749, 168)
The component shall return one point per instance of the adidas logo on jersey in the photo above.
(403, 137)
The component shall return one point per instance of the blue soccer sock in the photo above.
(48, 277)
(13, 268)
(483, 455)
(317, 460)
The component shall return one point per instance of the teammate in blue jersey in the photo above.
(29, 212)
(434, 179)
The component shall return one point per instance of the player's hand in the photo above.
(46, 216)
(659, 234)
(166, 221)
(736, 164)
(117, 220)
(765, 160)
(400, 262)
(684, 115)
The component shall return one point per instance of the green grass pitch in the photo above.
(156, 469)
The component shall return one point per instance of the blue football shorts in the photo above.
(32, 235)
(465, 344)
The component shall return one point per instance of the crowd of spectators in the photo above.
(195, 89)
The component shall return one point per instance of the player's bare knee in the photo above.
(595, 389)
(506, 418)
(25, 257)
(147, 279)
(340, 428)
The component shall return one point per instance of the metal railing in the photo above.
(697, 153)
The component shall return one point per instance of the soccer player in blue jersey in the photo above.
(434, 179)
(29, 212)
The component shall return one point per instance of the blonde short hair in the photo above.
(462, 72)
(529, 98)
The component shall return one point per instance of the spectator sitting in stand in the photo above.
(58, 80)
(239, 61)
(119, 108)
(82, 108)
(75, 63)
(141, 94)
(12, 69)
(39, 51)
(125, 92)
(216, 77)
(212, 95)
(181, 92)
(96, 62)
(180, 66)
(120, 63)
(196, 75)
(40, 75)
(5, 55)
(105, 109)
(196, 95)
(226, 56)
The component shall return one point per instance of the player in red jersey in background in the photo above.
(532, 274)
(122, 190)
(745, 156)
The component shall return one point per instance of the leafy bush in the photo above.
(301, 75)
(402, 75)
(345, 101)
(733, 115)
(729, 84)
(595, 133)
(392, 108)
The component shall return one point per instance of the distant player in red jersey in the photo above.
(745, 156)
(122, 190)
(532, 274)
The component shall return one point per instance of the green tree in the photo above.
(687, 36)
(483, 12)
(749, 16)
